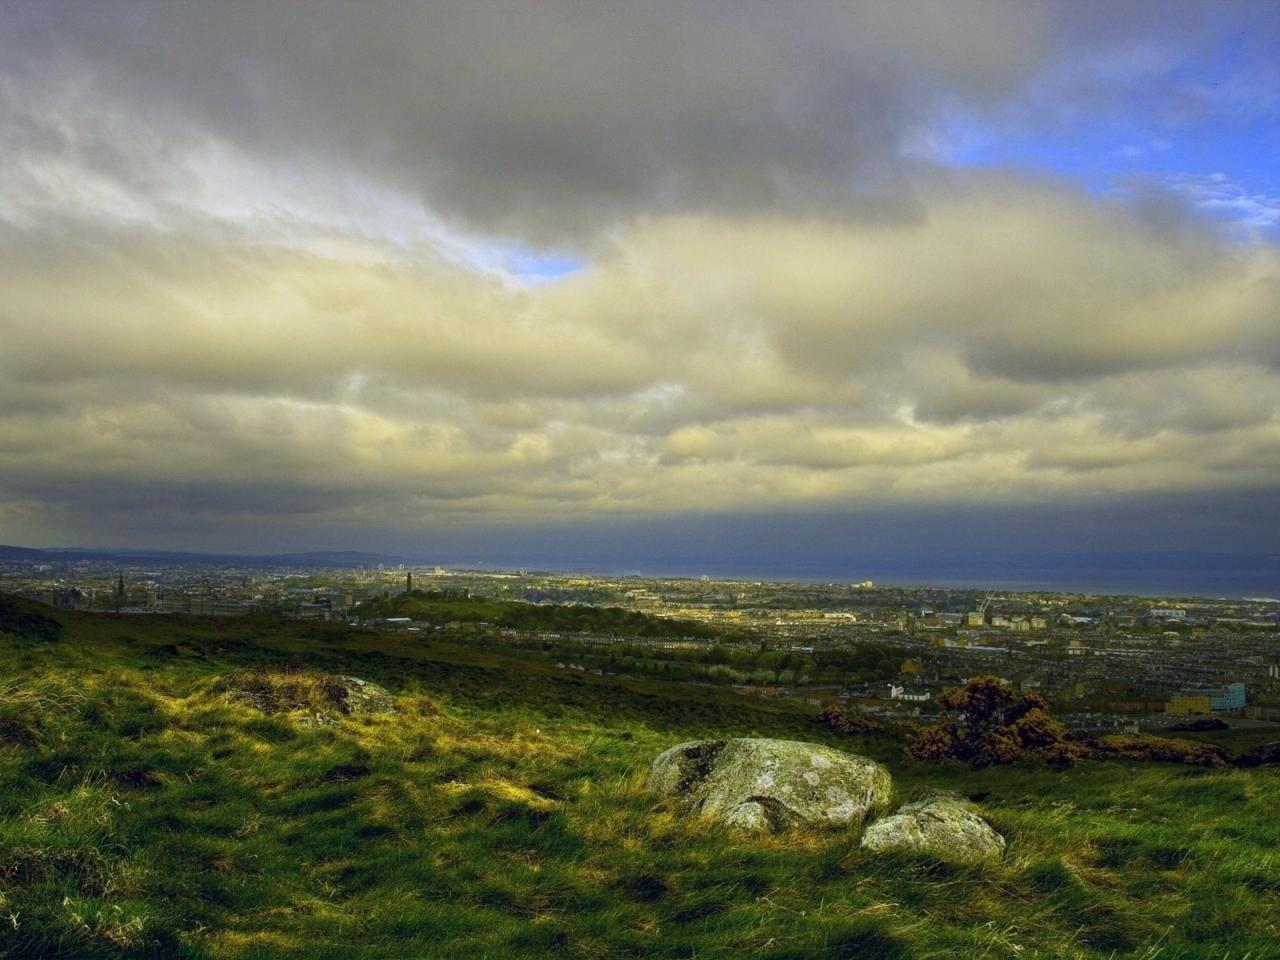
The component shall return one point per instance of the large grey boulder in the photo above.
(770, 785)
(941, 825)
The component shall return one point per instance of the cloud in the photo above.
(256, 271)
(699, 363)
(1221, 196)
(546, 120)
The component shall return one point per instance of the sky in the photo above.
(593, 278)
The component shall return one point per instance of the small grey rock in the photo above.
(365, 696)
(942, 825)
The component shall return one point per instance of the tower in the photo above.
(408, 582)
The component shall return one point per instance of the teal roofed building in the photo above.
(1230, 697)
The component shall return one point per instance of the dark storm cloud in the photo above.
(549, 118)
(552, 119)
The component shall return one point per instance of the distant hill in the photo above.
(22, 554)
(317, 558)
(440, 608)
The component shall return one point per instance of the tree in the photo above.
(989, 723)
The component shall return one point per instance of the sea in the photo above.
(1184, 574)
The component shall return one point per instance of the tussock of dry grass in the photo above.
(285, 690)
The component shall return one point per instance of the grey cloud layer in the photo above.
(220, 297)
(552, 119)
(700, 363)
(545, 119)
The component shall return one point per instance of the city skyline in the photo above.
(570, 279)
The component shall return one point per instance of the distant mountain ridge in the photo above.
(316, 558)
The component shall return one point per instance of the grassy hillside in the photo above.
(501, 813)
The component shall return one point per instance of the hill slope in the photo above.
(439, 608)
(501, 813)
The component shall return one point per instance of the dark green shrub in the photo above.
(1144, 746)
(989, 723)
(849, 720)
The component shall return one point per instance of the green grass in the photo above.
(501, 813)
(438, 608)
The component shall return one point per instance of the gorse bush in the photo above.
(989, 723)
(1144, 746)
(1200, 725)
(1264, 754)
(848, 720)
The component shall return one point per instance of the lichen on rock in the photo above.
(770, 785)
(941, 825)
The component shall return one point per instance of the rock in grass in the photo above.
(321, 694)
(770, 785)
(941, 825)
(365, 696)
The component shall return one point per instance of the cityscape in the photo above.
(1103, 662)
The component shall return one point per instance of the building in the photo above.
(1262, 712)
(897, 692)
(1189, 704)
(1230, 697)
(1218, 699)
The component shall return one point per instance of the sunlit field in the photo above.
(501, 812)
